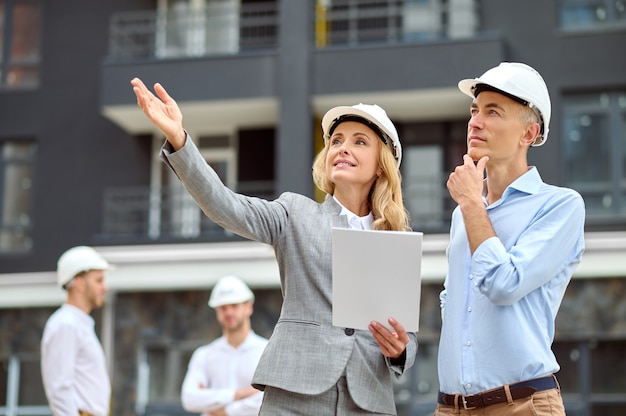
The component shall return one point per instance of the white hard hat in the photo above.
(77, 260)
(376, 118)
(230, 290)
(518, 81)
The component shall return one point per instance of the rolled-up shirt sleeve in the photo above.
(546, 248)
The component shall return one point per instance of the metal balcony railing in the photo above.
(355, 22)
(185, 31)
(145, 214)
(224, 28)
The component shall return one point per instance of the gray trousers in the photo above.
(334, 402)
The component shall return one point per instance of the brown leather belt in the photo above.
(498, 395)
(83, 413)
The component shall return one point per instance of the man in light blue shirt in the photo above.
(515, 242)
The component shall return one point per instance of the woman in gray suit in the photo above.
(309, 366)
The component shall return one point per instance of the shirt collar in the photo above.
(80, 315)
(354, 221)
(529, 183)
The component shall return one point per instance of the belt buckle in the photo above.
(465, 404)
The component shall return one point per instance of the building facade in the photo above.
(253, 78)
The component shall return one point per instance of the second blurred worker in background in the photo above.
(219, 376)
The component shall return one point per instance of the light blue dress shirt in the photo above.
(498, 306)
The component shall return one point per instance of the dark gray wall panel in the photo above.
(214, 78)
(413, 66)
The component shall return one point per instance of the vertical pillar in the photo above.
(294, 145)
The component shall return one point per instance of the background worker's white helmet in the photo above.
(230, 290)
(77, 260)
(374, 116)
(521, 82)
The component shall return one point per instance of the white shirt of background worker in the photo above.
(73, 366)
(219, 374)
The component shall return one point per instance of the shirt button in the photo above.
(468, 343)
(468, 386)
(349, 331)
(469, 308)
(471, 276)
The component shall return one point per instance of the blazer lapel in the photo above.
(333, 209)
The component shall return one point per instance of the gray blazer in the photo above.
(306, 354)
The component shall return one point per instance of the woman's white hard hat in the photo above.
(378, 121)
(519, 81)
(230, 290)
(77, 260)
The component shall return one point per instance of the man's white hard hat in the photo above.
(77, 260)
(374, 116)
(518, 81)
(230, 290)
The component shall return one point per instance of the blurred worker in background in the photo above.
(219, 376)
(73, 365)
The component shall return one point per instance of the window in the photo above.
(162, 368)
(172, 211)
(423, 177)
(181, 28)
(355, 22)
(358, 21)
(439, 19)
(594, 163)
(16, 175)
(192, 28)
(244, 161)
(256, 163)
(592, 376)
(590, 13)
(21, 388)
(199, 28)
(416, 391)
(430, 152)
(20, 27)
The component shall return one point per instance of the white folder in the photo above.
(376, 275)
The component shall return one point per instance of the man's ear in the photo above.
(533, 130)
(78, 283)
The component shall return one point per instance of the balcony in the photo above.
(229, 28)
(144, 215)
(240, 79)
(185, 31)
(141, 215)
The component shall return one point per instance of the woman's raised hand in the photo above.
(162, 111)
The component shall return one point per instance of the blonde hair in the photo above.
(385, 197)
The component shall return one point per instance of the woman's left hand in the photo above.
(392, 344)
